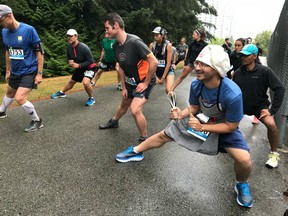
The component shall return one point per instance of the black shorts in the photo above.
(79, 75)
(131, 90)
(256, 112)
(106, 66)
(24, 81)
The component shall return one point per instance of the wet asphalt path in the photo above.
(67, 168)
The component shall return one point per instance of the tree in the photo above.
(217, 41)
(52, 18)
(263, 39)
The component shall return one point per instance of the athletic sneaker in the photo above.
(272, 162)
(142, 138)
(110, 124)
(244, 197)
(129, 155)
(255, 120)
(33, 126)
(3, 115)
(58, 94)
(119, 87)
(90, 102)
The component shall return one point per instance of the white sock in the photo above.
(30, 110)
(6, 103)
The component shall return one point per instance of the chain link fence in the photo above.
(277, 59)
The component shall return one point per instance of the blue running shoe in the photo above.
(244, 197)
(90, 102)
(129, 155)
(58, 94)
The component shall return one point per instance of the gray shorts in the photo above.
(24, 81)
(177, 130)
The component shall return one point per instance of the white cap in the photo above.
(215, 57)
(157, 30)
(4, 9)
(71, 32)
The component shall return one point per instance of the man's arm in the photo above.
(153, 64)
(88, 56)
(40, 63)
(221, 128)
(102, 55)
(168, 62)
(185, 72)
(278, 90)
(8, 65)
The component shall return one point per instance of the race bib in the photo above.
(89, 74)
(16, 54)
(130, 81)
(161, 63)
(103, 65)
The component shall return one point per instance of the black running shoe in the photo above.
(3, 115)
(110, 124)
(33, 126)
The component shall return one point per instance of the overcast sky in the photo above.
(254, 16)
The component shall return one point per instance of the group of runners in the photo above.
(221, 100)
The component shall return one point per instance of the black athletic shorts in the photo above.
(78, 76)
(106, 66)
(24, 81)
(131, 90)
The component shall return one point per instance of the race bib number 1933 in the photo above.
(16, 53)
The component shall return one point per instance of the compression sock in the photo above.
(6, 103)
(30, 110)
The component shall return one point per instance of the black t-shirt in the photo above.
(81, 54)
(193, 51)
(132, 57)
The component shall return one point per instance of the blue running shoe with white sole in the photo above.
(58, 94)
(90, 102)
(129, 155)
(244, 197)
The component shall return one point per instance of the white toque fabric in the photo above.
(215, 57)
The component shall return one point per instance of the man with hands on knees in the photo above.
(220, 100)
(81, 60)
(254, 80)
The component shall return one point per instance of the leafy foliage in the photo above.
(263, 38)
(52, 18)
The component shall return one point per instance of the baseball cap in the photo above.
(215, 57)
(71, 32)
(249, 49)
(4, 9)
(157, 30)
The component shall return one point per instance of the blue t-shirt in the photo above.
(230, 98)
(21, 44)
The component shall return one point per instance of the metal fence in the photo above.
(277, 59)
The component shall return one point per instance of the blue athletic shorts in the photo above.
(232, 140)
